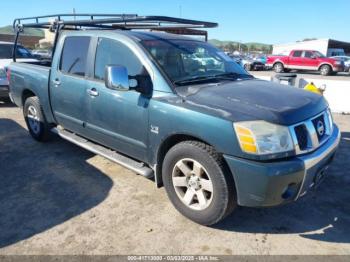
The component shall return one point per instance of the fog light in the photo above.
(290, 191)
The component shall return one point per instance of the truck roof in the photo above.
(151, 35)
(136, 35)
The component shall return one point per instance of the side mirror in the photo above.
(313, 57)
(116, 77)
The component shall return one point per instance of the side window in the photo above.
(111, 52)
(74, 55)
(308, 54)
(297, 54)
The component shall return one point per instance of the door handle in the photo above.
(92, 92)
(56, 82)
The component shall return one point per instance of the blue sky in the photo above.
(269, 21)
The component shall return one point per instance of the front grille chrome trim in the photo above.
(313, 141)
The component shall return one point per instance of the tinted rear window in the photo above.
(297, 54)
(74, 55)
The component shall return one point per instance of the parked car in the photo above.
(305, 60)
(215, 138)
(6, 58)
(250, 64)
(261, 58)
(346, 60)
(42, 53)
(236, 58)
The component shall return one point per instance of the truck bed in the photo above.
(31, 77)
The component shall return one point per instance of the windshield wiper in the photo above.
(204, 78)
(224, 76)
(235, 75)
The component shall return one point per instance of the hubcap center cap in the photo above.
(194, 183)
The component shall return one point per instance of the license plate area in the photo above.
(315, 175)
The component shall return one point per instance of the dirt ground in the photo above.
(57, 198)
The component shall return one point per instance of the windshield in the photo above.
(188, 61)
(6, 52)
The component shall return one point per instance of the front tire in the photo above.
(197, 182)
(325, 70)
(37, 125)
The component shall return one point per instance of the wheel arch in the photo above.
(26, 93)
(168, 143)
(164, 147)
(325, 63)
(277, 61)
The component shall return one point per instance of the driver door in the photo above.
(117, 119)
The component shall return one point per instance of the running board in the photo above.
(135, 166)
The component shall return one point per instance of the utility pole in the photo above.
(180, 11)
(74, 14)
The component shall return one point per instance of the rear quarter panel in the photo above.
(272, 59)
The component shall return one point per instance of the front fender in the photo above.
(170, 118)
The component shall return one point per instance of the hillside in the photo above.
(29, 31)
(232, 45)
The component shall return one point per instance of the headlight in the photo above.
(261, 138)
(338, 62)
(2, 73)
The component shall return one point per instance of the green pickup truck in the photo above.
(178, 110)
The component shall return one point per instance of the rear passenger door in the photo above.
(295, 61)
(68, 85)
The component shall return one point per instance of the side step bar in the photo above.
(135, 166)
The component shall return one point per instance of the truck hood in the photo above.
(254, 99)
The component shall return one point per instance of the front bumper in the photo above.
(274, 183)
(338, 68)
(258, 66)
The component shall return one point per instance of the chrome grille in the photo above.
(312, 133)
(302, 136)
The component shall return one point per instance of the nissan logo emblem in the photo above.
(320, 128)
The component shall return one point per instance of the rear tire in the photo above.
(198, 183)
(37, 125)
(325, 70)
(278, 67)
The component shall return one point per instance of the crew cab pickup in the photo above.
(213, 135)
(305, 60)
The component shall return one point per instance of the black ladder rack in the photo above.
(57, 22)
(108, 21)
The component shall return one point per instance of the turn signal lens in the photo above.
(246, 139)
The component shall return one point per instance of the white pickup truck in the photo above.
(22, 54)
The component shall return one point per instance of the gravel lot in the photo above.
(57, 198)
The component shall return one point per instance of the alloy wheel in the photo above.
(192, 184)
